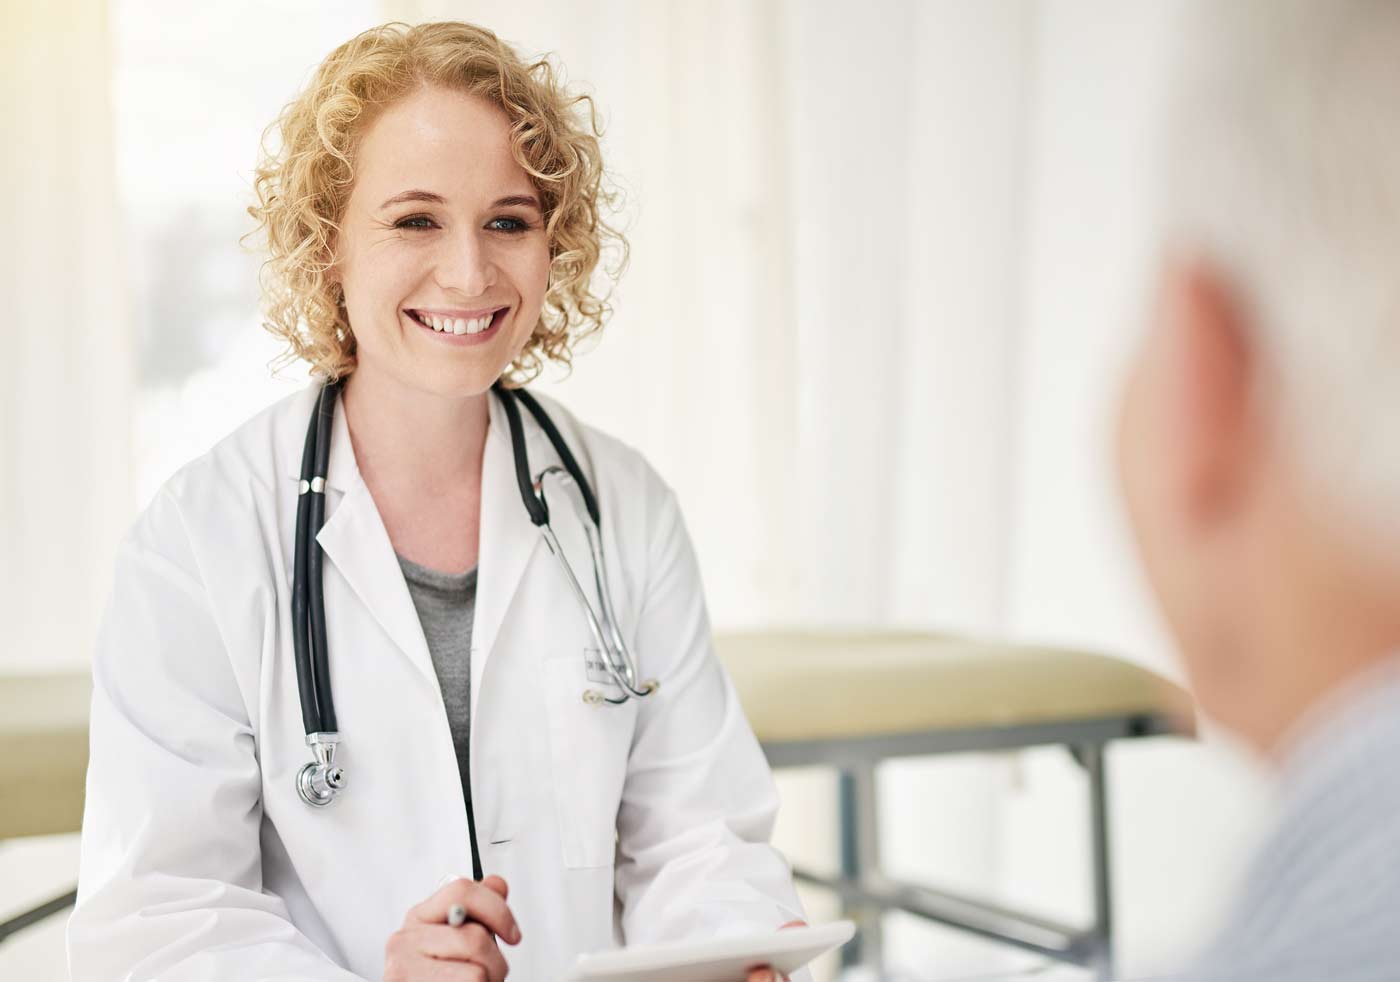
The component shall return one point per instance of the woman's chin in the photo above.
(459, 381)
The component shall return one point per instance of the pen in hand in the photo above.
(471, 920)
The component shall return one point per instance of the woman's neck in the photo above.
(409, 443)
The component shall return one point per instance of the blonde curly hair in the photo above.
(302, 187)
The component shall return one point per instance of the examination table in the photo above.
(849, 700)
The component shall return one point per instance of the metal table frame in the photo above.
(32, 916)
(866, 893)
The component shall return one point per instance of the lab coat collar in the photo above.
(356, 543)
(508, 539)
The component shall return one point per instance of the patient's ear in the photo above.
(1210, 378)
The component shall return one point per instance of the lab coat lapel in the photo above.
(508, 539)
(357, 546)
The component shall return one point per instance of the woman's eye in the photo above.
(507, 223)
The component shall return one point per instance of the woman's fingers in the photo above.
(766, 974)
(428, 948)
(407, 958)
(484, 903)
(470, 943)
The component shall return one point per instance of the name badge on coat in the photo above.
(596, 668)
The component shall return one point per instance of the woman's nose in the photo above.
(466, 265)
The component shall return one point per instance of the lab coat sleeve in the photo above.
(699, 802)
(170, 878)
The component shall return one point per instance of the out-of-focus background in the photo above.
(888, 258)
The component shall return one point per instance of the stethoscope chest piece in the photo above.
(320, 781)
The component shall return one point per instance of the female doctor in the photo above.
(433, 218)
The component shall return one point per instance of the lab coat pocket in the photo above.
(589, 748)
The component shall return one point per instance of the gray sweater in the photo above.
(1322, 900)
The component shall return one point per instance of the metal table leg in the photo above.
(1091, 757)
(860, 860)
(44, 910)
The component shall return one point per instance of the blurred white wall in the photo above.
(66, 386)
(65, 379)
(193, 86)
(888, 256)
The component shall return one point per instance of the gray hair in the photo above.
(1284, 173)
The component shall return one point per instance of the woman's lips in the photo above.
(466, 339)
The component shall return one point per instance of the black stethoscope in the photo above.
(319, 782)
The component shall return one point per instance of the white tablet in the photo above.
(716, 960)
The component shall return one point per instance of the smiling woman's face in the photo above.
(443, 255)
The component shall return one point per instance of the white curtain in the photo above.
(65, 378)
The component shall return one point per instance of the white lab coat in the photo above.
(612, 824)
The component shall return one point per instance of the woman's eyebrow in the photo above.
(414, 195)
(527, 200)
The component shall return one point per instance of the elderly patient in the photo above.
(1260, 456)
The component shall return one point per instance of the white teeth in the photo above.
(457, 325)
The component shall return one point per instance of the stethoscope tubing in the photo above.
(320, 781)
(308, 604)
(301, 606)
(561, 447)
(321, 672)
(533, 495)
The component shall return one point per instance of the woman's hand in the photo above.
(426, 948)
(766, 974)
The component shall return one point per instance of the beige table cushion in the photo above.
(835, 685)
(794, 686)
(43, 752)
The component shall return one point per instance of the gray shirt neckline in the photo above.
(436, 579)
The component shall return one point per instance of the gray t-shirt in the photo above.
(446, 604)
